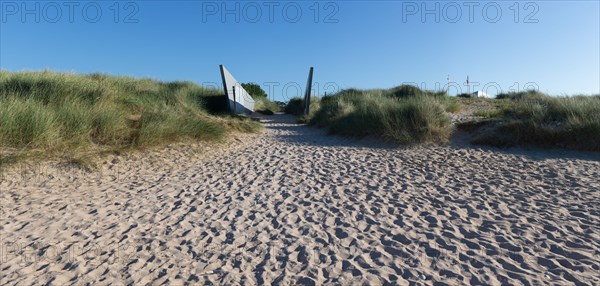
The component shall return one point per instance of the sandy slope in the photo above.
(295, 206)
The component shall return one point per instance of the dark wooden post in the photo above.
(234, 101)
(307, 94)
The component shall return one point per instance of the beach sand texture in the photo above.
(297, 206)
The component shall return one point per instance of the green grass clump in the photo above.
(529, 94)
(382, 113)
(488, 113)
(60, 112)
(295, 106)
(27, 123)
(411, 90)
(265, 106)
(533, 118)
(451, 104)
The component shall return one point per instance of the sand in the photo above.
(297, 206)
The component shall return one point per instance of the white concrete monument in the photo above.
(239, 99)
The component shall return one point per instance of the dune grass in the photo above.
(533, 118)
(488, 113)
(452, 104)
(528, 94)
(54, 113)
(265, 106)
(295, 106)
(395, 115)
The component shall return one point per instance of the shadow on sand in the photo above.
(289, 130)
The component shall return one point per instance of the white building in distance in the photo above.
(480, 93)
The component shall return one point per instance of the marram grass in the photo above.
(401, 115)
(533, 118)
(58, 112)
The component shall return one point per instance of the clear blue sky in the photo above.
(363, 44)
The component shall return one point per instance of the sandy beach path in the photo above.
(297, 206)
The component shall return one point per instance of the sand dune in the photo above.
(296, 206)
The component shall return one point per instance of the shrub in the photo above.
(295, 106)
(254, 90)
(280, 105)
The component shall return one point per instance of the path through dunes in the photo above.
(297, 206)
